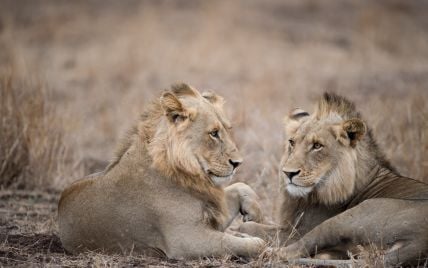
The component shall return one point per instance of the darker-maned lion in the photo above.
(339, 193)
(162, 193)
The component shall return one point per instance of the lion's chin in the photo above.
(220, 181)
(298, 191)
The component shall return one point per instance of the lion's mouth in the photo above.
(297, 190)
(215, 178)
(297, 183)
(212, 174)
(218, 179)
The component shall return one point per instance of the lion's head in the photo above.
(193, 136)
(321, 151)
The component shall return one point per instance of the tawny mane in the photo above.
(380, 178)
(146, 126)
(145, 130)
(333, 103)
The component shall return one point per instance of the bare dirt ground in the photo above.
(102, 61)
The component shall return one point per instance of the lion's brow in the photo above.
(225, 123)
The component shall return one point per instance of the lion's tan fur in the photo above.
(371, 163)
(158, 184)
(352, 202)
(155, 139)
(353, 166)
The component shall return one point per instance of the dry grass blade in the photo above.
(31, 148)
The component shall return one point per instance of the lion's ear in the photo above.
(297, 114)
(213, 98)
(351, 131)
(294, 115)
(172, 107)
(183, 89)
(355, 129)
(293, 120)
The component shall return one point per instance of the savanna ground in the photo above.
(76, 74)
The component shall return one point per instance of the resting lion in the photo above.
(339, 192)
(162, 194)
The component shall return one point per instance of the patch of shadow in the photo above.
(34, 243)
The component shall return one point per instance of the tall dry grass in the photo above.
(32, 152)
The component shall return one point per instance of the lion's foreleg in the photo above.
(241, 199)
(267, 232)
(382, 224)
(233, 204)
(353, 226)
(206, 242)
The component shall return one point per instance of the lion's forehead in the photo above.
(211, 114)
(314, 129)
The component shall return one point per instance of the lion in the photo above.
(339, 194)
(162, 194)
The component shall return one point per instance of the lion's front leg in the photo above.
(388, 230)
(201, 241)
(267, 232)
(241, 199)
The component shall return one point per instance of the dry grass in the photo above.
(32, 152)
(103, 61)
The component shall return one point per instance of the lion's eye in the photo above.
(214, 134)
(317, 146)
(292, 143)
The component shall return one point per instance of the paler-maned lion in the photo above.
(338, 193)
(162, 193)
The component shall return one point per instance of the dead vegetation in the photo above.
(83, 71)
(32, 152)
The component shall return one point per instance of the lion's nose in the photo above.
(235, 163)
(291, 174)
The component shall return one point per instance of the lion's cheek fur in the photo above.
(172, 153)
(339, 183)
(183, 158)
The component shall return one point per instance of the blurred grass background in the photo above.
(76, 75)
